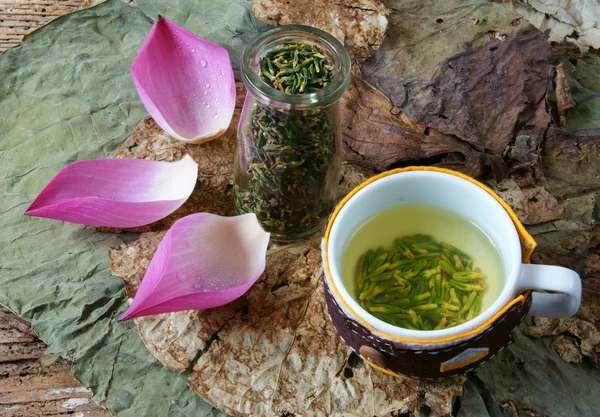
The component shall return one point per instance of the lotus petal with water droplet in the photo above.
(119, 193)
(203, 261)
(174, 72)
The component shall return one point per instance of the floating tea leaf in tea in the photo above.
(421, 282)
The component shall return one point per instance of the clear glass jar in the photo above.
(289, 145)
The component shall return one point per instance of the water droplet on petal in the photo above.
(205, 92)
(207, 85)
(198, 285)
(181, 276)
(193, 50)
(203, 62)
(215, 116)
(207, 106)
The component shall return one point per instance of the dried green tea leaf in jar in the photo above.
(289, 154)
(296, 68)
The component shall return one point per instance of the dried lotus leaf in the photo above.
(358, 24)
(274, 350)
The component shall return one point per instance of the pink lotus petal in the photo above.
(204, 261)
(116, 192)
(185, 82)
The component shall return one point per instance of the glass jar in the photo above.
(288, 153)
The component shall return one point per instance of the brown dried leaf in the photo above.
(571, 162)
(378, 137)
(540, 206)
(563, 242)
(359, 24)
(562, 88)
(483, 95)
(590, 308)
(520, 412)
(525, 151)
(421, 36)
(475, 71)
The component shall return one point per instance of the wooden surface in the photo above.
(32, 384)
(19, 17)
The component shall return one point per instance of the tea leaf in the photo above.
(419, 288)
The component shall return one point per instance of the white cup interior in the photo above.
(433, 189)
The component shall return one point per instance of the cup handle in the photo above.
(551, 278)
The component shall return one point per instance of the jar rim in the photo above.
(269, 95)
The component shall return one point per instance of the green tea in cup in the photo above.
(422, 267)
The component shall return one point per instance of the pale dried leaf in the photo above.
(438, 395)
(274, 350)
(532, 205)
(582, 330)
(172, 339)
(359, 24)
(567, 348)
(351, 177)
(573, 21)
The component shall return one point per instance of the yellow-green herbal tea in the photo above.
(422, 267)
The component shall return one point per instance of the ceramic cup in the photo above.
(465, 346)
